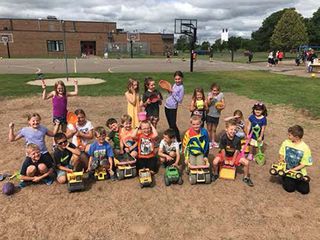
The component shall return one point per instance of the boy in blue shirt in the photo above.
(100, 152)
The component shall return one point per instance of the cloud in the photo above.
(241, 17)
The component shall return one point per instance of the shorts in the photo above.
(62, 120)
(212, 120)
(222, 159)
(196, 160)
(254, 142)
(61, 172)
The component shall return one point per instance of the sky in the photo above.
(240, 17)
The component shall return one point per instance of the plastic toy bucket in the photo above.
(142, 116)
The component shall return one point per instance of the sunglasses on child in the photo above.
(259, 104)
(64, 142)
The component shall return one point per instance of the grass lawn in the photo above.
(268, 87)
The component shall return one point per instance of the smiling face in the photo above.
(215, 91)
(113, 127)
(60, 89)
(199, 96)
(178, 80)
(231, 131)
(196, 125)
(258, 112)
(152, 86)
(101, 137)
(127, 125)
(62, 143)
(34, 122)
(34, 154)
(145, 128)
(81, 119)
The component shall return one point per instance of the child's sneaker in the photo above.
(23, 184)
(214, 177)
(247, 181)
(215, 145)
(48, 180)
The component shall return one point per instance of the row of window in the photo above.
(55, 45)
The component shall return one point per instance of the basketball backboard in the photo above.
(185, 26)
(6, 38)
(133, 36)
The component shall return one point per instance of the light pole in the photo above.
(63, 26)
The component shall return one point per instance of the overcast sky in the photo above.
(241, 17)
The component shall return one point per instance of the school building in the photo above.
(51, 37)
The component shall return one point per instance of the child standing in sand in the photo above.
(133, 98)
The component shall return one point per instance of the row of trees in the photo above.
(285, 29)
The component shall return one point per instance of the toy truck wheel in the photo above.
(299, 176)
(208, 178)
(192, 179)
(306, 178)
(273, 171)
(281, 173)
(166, 181)
(120, 174)
(180, 181)
(134, 172)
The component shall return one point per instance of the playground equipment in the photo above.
(75, 181)
(172, 175)
(126, 166)
(145, 178)
(280, 169)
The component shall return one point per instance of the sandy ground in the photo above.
(121, 210)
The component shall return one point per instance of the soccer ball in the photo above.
(8, 188)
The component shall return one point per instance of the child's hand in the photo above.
(43, 84)
(56, 122)
(169, 158)
(11, 125)
(69, 171)
(75, 81)
(260, 139)
(36, 179)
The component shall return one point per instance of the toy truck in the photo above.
(100, 174)
(75, 181)
(172, 175)
(280, 169)
(145, 178)
(126, 168)
(199, 174)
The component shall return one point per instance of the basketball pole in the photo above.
(8, 49)
(63, 25)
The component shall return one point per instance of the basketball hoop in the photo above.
(133, 37)
(5, 40)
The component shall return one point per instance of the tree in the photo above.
(263, 34)
(218, 46)
(205, 45)
(289, 32)
(183, 43)
(313, 28)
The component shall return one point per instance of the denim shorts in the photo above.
(62, 120)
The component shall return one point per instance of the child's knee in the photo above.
(216, 161)
(62, 179)
(162, 159)
(42, 168)
(31, 171)
(172, 154)
(244, 161)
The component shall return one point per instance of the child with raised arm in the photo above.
(59, 100)
(216, 104)
(100, 152)
(169, 152)
(36, 168)
(297, 156)
(238, 118)
(145, 135)
(257, 121)
(230, 146)
(34, 133)
(133, 99)
(196, 143)
(151, 100)
(67, 157)
(127, 143)
(199, 105)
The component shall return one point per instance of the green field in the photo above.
(268, 87)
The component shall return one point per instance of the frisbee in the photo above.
(72, 118)
(165, 85)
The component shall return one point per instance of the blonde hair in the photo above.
(125, 118)
(231, 122)
(29, 116)
(130, 84)
(32, 146)
(195, 118)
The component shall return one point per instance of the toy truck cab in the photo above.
(145, 178)
(172, 175)
(75, 181)
(126, 166)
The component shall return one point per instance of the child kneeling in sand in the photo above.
(169, 151)
(297, 156)
(196, 143)
(230, 146)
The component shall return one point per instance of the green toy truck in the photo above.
(172, 175)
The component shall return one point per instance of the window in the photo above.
(55, 45)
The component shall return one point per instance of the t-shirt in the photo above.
(99, 152)
(63, 157)
(114, 137)
(28, 162)
(175, 97)
(166, 148)
(152, 109)
(256, 121)
(296, 154)
(145, 145)
(230, 145)
(84, 129)
(36, 136)
(213, 111)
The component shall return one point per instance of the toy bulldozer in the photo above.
(172, 175)
(280, 169)
(126, 166)
(75, 181)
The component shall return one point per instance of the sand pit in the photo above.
(81, 81)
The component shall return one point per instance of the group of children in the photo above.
(138, 138)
